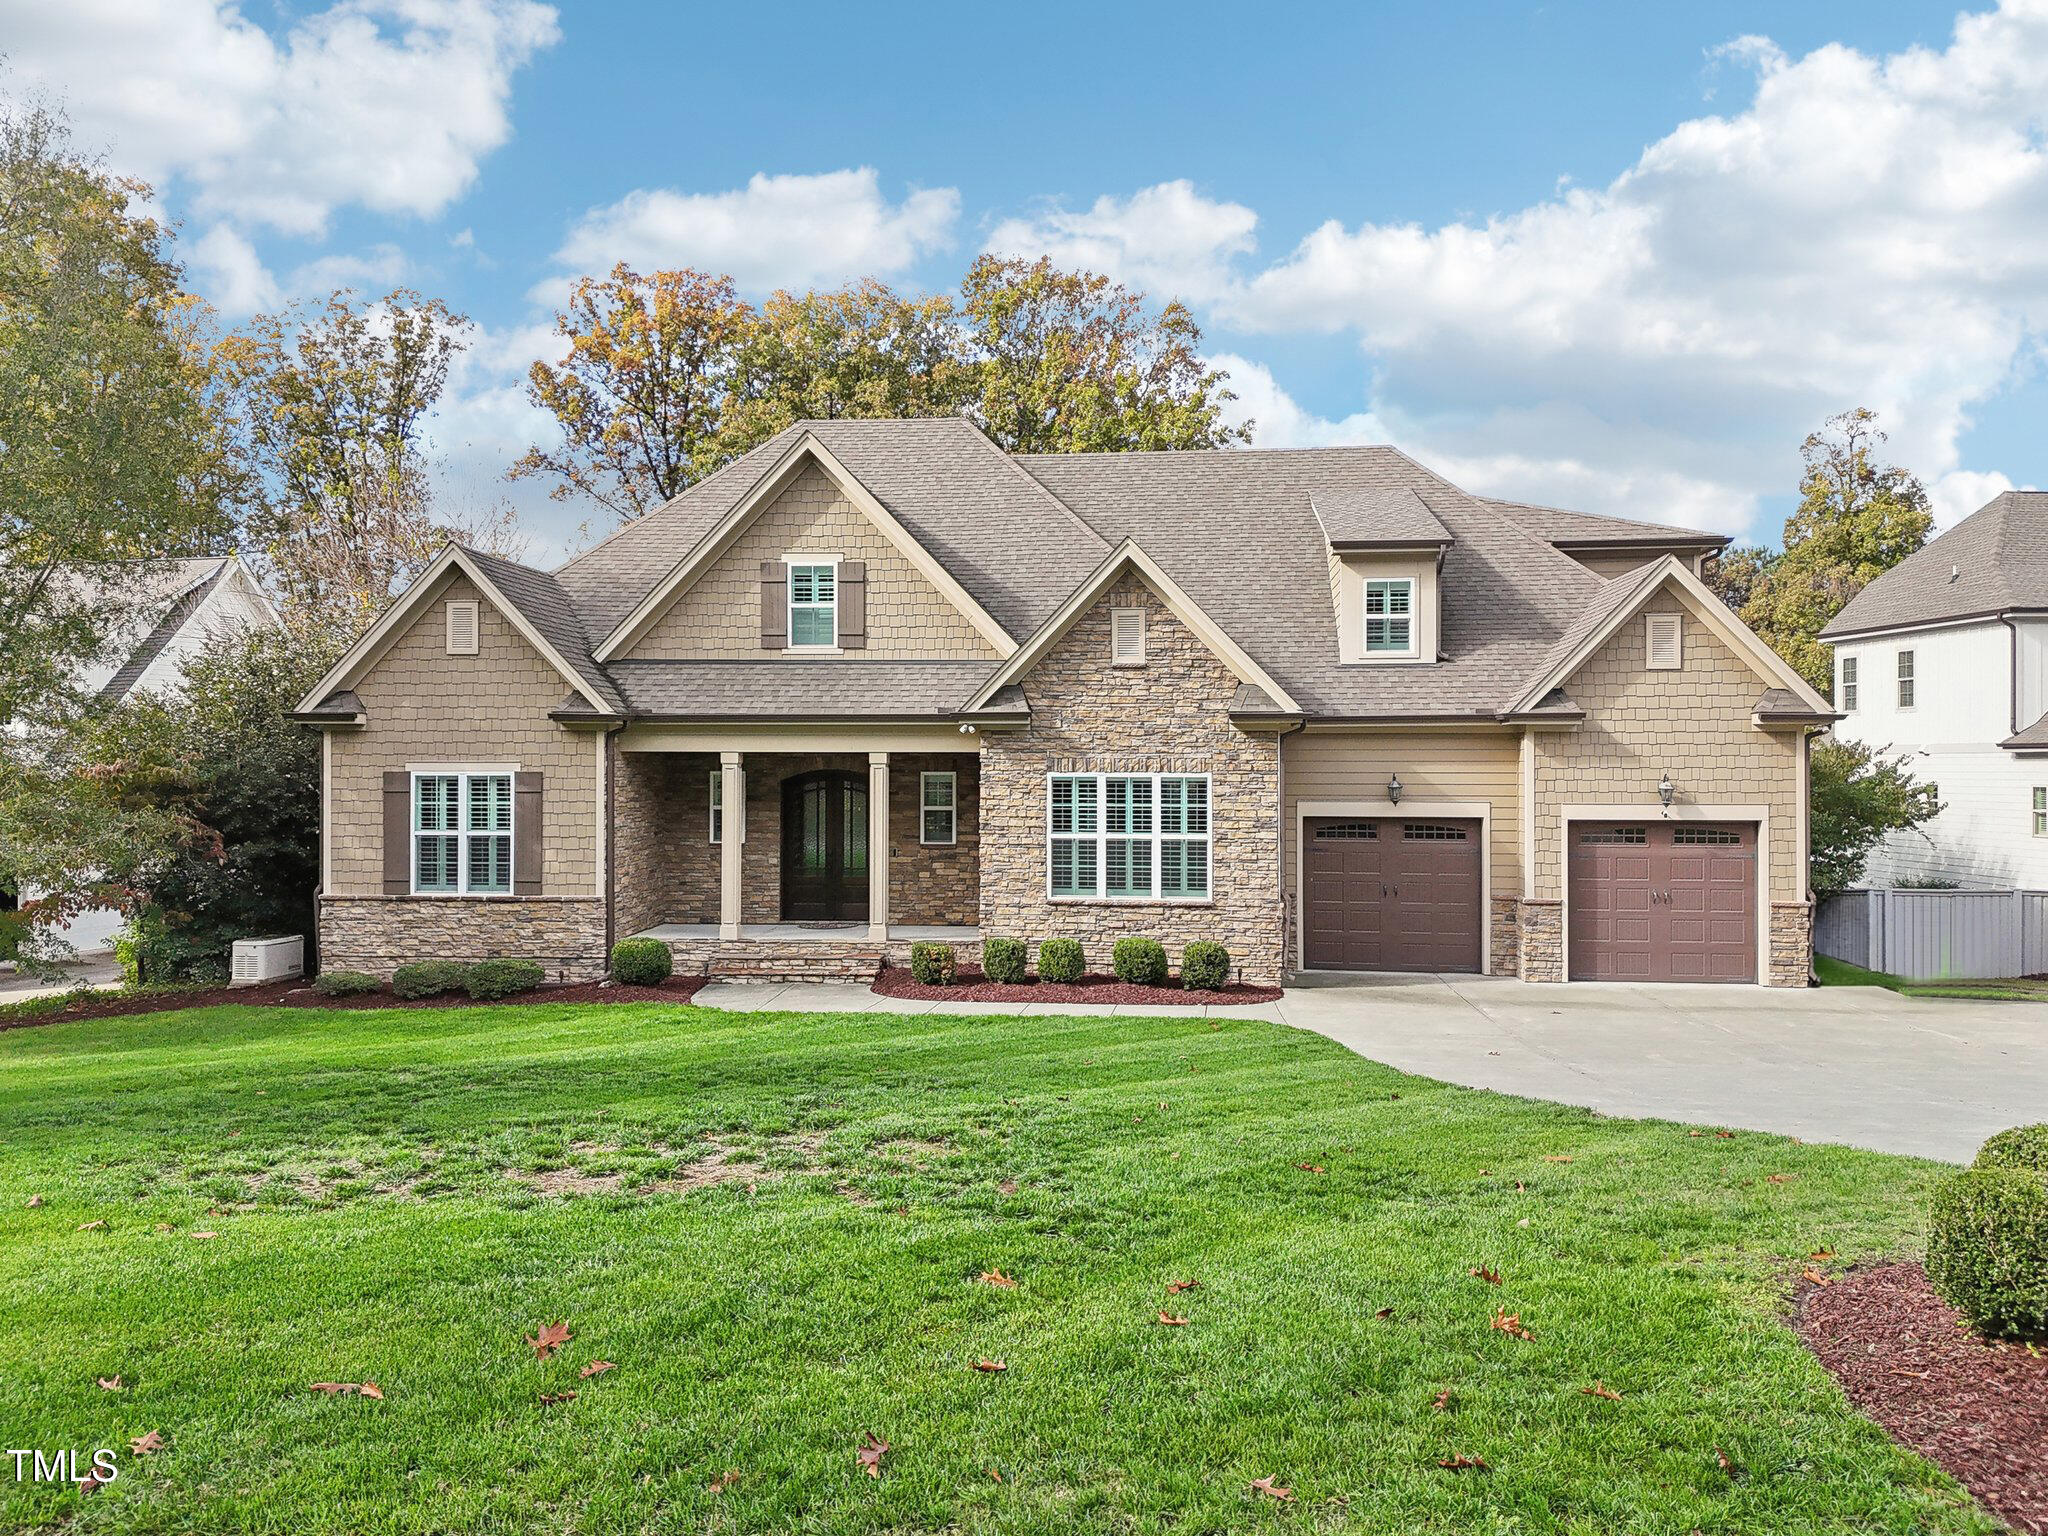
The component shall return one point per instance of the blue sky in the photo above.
(1619, 257)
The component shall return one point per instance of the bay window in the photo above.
(1128, 836)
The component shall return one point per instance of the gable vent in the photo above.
(462, 629)
(1127, 636)
(1663, 647)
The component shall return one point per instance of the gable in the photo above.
(717, 616)
(414, 678)
(1712, 681)
(1076, 679)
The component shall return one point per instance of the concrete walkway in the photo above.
(1925, 1076)
(96, 971)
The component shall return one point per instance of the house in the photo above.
(878, 680)
(171, 609)
(1945, 657)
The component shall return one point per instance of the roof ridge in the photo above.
(1013, 464)
(694, 485)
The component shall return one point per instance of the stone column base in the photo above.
(1791, 944)
(1504, 939)
(1542, 936)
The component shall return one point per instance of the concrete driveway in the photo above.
(1925, 1076)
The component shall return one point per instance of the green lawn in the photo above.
(371, 1178)
(2019, 989)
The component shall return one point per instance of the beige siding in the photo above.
(1433, 766)
(1694, 724)
(720, 615)
(425, 706)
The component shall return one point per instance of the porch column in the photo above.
(732, 789)
(878, 846)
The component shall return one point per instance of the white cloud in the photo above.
(1865, 231)
(382, 266)
(775, 232)
(1168, 239)
(1962, 491)
(232, 274)
(390, 104)
(1277, 419)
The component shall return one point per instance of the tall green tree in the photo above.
(1858, 795)
(108, 443)
(1857, 518)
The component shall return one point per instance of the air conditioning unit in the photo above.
(261, 960)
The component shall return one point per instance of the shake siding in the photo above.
(1694, 724)
(425, 706)
(1344, 766)
(719, 616)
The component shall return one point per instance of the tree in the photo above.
(1735, 571)
(640, 399)
(1857, 796)
(108, 449)
(1856, 519)
(338, 506)
(1070, 362)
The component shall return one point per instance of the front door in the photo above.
(825, 847)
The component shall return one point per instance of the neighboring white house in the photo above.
(1945, 657)
(177, 608)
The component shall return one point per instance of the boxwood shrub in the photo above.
(489, 980)
(1003, 960)
(428, 978)
(641, 963)
(1061, 961)
(345, 983)
(2024, 1146)
(1139, 962)
(1987, 1237)
(933, 964)
(1205, 966)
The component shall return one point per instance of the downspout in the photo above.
(1280, 830)
(2013, 674)
(611, 852)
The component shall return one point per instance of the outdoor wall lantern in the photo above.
(1394, 789)
(1664, 791)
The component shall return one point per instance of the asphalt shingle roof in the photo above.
(539, 597)
(174, 589)
(812, 686)
(1377, 516)
(1993, 560)
(2034, 736)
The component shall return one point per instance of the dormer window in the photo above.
(1390, 617)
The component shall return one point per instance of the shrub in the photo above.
(1003, 960)
(2024, 1146)
(1987, 1248)
(1139, 962)
(489, 980)
(1205, 966)
(1061, 961)
(934, 964)
(641, 963)
(345, 983)
(428, 978)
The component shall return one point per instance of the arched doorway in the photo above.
(825, 847)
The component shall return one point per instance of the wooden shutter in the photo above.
(853, 605)
(397, 833)
(774, 605)
(526, 828)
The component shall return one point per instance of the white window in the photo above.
(717, 805)
(2041, 810)
(462, 834)
(813, 605)
(1128, 836)
(939, 821)
(1390, 617)
(1848, 690)
(1905, 679)
(1127, 637)
(462, 629)
(1663, 650)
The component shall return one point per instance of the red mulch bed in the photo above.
(1978, 1409)
(973, 987)
(296, 994)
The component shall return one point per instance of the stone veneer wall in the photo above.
(1504, 952)
(1541, 924)
(1791, 943)
(1169, 716)
(664, 864)
(934, 885)
(378, 934)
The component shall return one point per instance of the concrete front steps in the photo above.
(785, 963)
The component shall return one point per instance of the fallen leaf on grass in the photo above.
(1724, 1135)
(205, 1234)
(1778, 1178)
(1311, 1167)
(1824, 1253)
(1270, 1487)
(1460, 1463)
(993, 1474)
(1384, 1312)
(1007, 1187)
(723, 1481)
(1490, 1276)
(1171, 1321)
(1722, 1457)
(371, 1389)
(872, 1450)
(1816, 1277)
(1175, 1287)
(110, 1384)
(997, 1278)
(558, 1397)
(1601, 1389)
(1510, 1323)
(344, 1388)
(1520, 1187)
(990, 1366)
(1557, 1157)
(91, 1226)
(92, 1481)
(34, 1201)
(596, 1368)
(1442, 1401)
(143, 1445)
(551, 1337)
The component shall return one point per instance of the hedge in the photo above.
(489, 980)
(641, 963)
(428, 978)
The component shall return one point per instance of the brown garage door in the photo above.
(1389, 895)
(1663, 901)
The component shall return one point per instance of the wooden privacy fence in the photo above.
(1937, 935)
